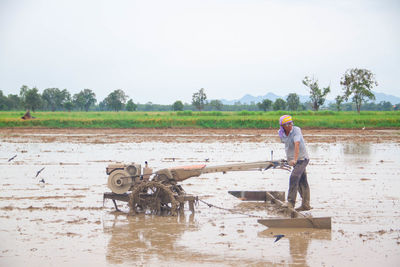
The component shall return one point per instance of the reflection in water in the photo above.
(314, 149)
(299, 240)
(357, 148)
(145, 238)
(341, 149)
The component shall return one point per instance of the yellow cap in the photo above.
(286, 119)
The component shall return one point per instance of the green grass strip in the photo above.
(242, 119)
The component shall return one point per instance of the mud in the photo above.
(353, 175)
(189, 135)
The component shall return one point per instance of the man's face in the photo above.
(287, 126)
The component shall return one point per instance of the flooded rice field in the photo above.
(52, 211)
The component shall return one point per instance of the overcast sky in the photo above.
(162, 51)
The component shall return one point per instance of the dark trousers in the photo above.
(298, 182)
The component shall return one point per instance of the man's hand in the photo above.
(292, 162)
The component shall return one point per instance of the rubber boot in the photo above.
(305, 200)
(304, 207)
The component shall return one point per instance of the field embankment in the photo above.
(218, 120)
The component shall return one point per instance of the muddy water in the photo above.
(62, 221)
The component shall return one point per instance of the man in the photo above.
(297, 156)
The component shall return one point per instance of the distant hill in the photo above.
(384, 97)
(248, 99)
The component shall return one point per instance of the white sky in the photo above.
(162, 51)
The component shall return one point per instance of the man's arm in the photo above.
(296, 153)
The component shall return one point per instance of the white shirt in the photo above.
(295, 135)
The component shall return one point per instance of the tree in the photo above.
(199, 99)
(265, 104)
(385, 105)
(84, 99)
(317, 95)
(130, 106)
(79, 100)
(103, 105)
(302, 106)
(14, 102)
(216, 104)
(9, 102)
(55, 98)
(148, 106)
(293, 101)
(22, 92)
(32, 99)
(3, 101)
(66, 97)
(67, 102)
(279, 104)
(358, 83)
(177, 106)
(116, 100)
(339, 100)
(68, 105)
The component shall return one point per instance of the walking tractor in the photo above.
(160, 192)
